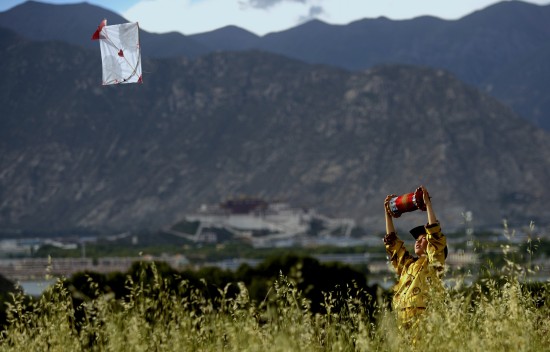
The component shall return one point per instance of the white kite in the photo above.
(120, 52)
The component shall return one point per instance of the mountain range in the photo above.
(77, 155)
(503, 49)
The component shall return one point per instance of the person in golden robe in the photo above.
(418, 276)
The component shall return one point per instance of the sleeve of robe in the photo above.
(399, 256)
(436, 246)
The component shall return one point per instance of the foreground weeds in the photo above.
(493, 315)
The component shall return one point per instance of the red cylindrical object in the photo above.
(398, 205)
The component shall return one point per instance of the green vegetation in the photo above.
(288, 302)
(158, 314)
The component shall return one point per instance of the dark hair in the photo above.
(417, 231)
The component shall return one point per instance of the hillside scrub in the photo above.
(494, 314)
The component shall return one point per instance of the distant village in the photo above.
(254, 221)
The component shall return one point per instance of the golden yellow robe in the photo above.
(418, 277)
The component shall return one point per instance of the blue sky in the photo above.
(264, 16)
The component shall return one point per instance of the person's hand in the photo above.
(386, 201)
(389, 221)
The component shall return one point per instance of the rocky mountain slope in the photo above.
(77, 155)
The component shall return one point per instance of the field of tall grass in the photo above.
(495, 314)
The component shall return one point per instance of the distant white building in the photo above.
(262, 223)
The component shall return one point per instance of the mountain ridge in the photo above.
(479, 48)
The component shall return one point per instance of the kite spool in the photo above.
(398, 205)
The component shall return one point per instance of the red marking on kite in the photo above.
(95, 36)
(120, 53)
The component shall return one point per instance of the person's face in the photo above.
(420, 245)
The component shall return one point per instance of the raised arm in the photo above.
(389, 221)
(437, 241)
(429, 209)
(395, 248)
